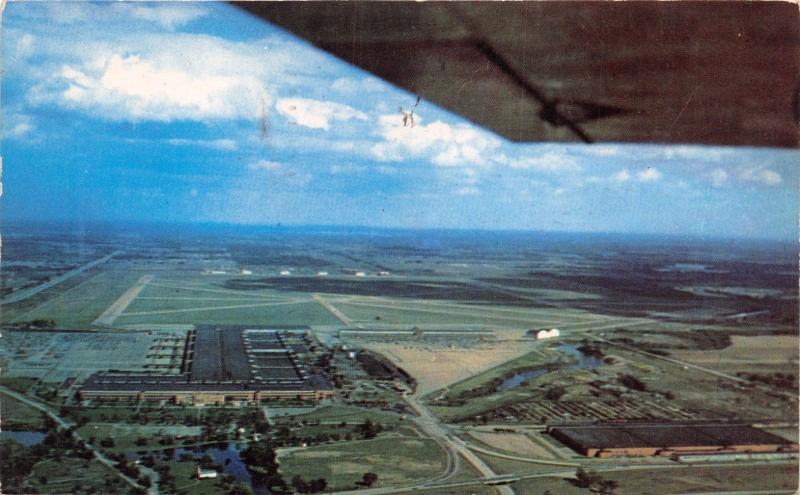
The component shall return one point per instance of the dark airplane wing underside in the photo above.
(663, 72)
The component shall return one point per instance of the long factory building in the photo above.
(668, 439)
(220, 364)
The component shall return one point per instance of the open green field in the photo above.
(336, 414)
(186, 482)
(490, 400)
(680, 480)
(476, 489)
(396, 460)
(79, 306)
(414, 312)
(126, 435)
(74, 476)
(19, 416)
(293, 314)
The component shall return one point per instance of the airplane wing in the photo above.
(723, 73)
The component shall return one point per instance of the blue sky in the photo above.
(198, 112)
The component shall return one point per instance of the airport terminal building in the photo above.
(220, 365)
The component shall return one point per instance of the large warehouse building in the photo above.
(220, 364)
(598, 440)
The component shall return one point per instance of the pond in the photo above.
(225, 454)
(26, 438)
(583, 362)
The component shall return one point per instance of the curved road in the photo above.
(66, 424)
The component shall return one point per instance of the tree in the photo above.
(299, 484)
(585, 479)
(317, 485)
(369, 479)
(368, 429)
(607, 487)
(240, 489)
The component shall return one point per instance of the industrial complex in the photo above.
(657, 439)
(220, 365)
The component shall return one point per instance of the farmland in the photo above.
(432, 352)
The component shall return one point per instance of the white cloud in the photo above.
(164, 15)
(316, 114)
(443, 144)
(599, 150)
(467, 191)
(350, 86)
(622, 176)
(266, 165)
(718, 177)
(167, 15)
(687, 152)
(24, 46)
(167, 77)
(17, 125)
(218, 144)
(288, 175)
(131, 87)
(758, 174)
(650, 174)
(347, 169)
(551, 161)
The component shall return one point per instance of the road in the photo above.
(25, 294)
(434, 428)
(66, 424)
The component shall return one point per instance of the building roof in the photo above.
(666, 435)
(219, 355)
(225, 359)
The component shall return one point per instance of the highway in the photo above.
(434, 428)
(26, 293)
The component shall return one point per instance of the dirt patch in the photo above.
(517, 443)
(435, 367)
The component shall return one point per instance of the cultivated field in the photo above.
(762, 353)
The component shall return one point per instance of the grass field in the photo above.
(16, 415)
(337, 414)
(74, 476)
(125, 435)
(203, 301)
(680, 480)
(420, 312)
(396, 460)
(476, 489)
(79, 306)
(308, 313)
(185, 480)
(759, 354)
